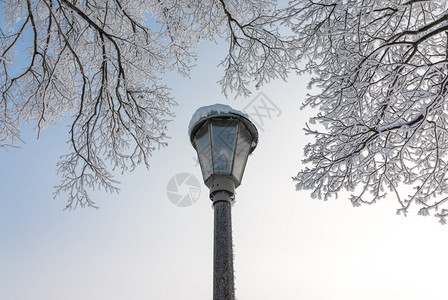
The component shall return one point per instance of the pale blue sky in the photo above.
(139, 245)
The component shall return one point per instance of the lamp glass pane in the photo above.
(204, 150)
(242, 151)
(223, 143)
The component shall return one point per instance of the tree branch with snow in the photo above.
(381, 72)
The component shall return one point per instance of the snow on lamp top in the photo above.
(210, 111)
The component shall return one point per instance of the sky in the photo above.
(140, 245)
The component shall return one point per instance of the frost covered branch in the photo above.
(381, 71)
(257, 49)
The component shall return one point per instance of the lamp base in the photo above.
(222, 189)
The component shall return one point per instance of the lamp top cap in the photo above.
(210, 111)
(220, 110)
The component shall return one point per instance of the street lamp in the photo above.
(223, 138)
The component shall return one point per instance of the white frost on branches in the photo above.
(98, 62)
(382, 70)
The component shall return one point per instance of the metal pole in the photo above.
(223, 277)
(222, 191)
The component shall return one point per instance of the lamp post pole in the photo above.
(223, 138)
(221, 192)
